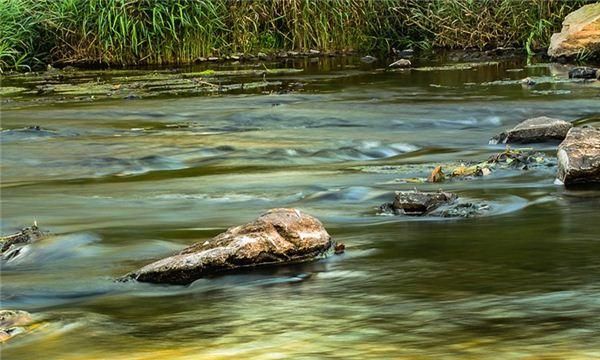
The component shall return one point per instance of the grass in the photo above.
(132, 32)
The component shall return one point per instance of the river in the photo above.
(124, 181)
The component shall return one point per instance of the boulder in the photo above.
(416, 203)
(539, 129)
(584, 72)
(579, 156)
(280, 236)
(580, 33)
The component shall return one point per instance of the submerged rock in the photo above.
(583, 73)
(580, 33)
(280, 236)
(465, 210)
(521, 159)
(12, 244)
(416, 203)
(579, 156)
(539, 129)
(527, 82)
(368, 59)
(13, 322)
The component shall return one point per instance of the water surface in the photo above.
(123, 181)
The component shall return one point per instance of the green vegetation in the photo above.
(34, 32)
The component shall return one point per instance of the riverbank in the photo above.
(36, 33)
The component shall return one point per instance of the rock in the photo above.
(464, 210)
(368, 59)
(262, 56)
(526, 82)
(132, 97)
(402, 63)
(280, 236)
(417, 202)
(580, 33)
(539, 129)
(583, 73)
(12, 244)
(12, 322)
(579, 156)
(213, 58)
(339, 248)
(314, 52)
(522, 159)
(403, 53)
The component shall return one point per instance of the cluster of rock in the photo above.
(578, 163)
(269, 56)
(578, 153)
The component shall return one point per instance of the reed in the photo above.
(130, 32)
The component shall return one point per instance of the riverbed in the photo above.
(130, 172)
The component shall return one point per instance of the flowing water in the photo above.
(122, 182)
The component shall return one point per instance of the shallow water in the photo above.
(123, 182)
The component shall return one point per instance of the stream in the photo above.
(123, 176)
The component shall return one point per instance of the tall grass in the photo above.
(181, 31)
(18, 33)
(483, 24)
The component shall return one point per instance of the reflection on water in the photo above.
(122, 183)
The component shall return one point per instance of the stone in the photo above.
(465, 210)
(527, 82)
(280, 236)
(583, 73)
(579, 157)
(417, 203)
(11, 244)
(402, 63)
(539, 129)
(13, 322)
(580, 33)
(368, 59)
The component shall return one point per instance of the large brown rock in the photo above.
(279, 236)
(539, 129)
(580, 33)
(579, 156)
